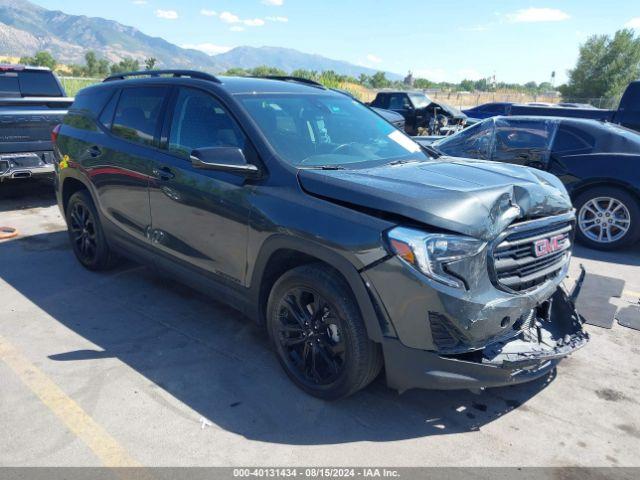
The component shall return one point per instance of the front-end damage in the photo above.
(530, 349)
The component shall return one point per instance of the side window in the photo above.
(137, 114)
(200, 121)
(572, 140)
(523, 141)
(474, 142)
(399, 102)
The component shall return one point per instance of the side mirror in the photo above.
(224, 159)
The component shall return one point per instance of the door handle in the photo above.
(163, 173)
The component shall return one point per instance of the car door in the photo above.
(120, 162)
(400, 103)
(523, 141)
(200, 217)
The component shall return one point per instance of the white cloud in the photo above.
(253, 22)
(208, 48)
(531, 15)
(277, 19)
(633, 23)
(273, 3)
(228, 17)
(208, 13)
(167, 14)
(237, 29)
(373, 58)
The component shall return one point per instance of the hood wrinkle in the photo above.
(456, 194)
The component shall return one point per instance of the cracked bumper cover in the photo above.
(551, 331)
(555, 332)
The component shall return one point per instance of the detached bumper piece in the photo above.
(25, 165)
(554, 332)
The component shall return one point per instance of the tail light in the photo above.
(55, 132)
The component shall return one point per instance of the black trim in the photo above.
(156, 73)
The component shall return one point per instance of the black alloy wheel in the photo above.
(309, 333)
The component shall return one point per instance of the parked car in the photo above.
(627, 114)
(32, 102)
(422, 115)
(390, 116)
(598, 162)
(488, 110)
(311, 214)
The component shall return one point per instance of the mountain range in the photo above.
(26, 28)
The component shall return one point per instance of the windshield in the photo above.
(329, 131)
(419, 100)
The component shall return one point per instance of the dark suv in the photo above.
(310, 213)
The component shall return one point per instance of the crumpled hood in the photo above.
(472, 197)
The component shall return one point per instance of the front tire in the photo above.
(86, 234)
(317, 331)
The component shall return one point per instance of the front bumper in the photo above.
(25, 164)
(554, 332)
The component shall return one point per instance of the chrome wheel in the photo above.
(604, 219)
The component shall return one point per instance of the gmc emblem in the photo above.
(547, 246)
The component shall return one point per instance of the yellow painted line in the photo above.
(106, 448)
(632, 293)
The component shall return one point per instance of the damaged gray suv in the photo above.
(301, 207)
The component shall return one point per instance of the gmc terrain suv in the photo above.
(310, 213)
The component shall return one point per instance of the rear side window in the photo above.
(138, 112)
(91, 102)
(572, 140)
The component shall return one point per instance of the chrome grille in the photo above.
(530, 254)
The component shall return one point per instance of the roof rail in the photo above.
(288, 78)
(156, 73)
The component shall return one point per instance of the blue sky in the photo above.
(449, 40)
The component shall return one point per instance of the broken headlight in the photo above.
(431, 252)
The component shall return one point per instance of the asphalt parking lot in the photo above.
(127, 368)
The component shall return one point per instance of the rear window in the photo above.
(29, 84)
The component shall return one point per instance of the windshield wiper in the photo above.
(432, 151)
(401, 162)
(325, 167)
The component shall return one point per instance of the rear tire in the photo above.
(317, 331)
(608, 218)
(86, 234)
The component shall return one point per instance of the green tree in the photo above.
(236, 72)
(150, 63)
(265, 71)
(532, 86)
(605, 66)
(379, 80)
(467, 85)
(40, 59)
(127, 64)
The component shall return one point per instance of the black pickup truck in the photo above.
(627, 114)
(32, 102)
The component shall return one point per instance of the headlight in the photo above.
(430, 252)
